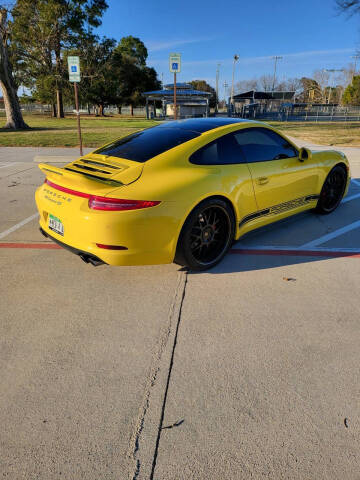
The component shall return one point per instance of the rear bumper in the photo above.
(149, 235)
(85, 256)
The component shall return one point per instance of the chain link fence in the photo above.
(299, 113)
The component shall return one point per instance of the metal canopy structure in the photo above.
(254, 95)
(190, 102)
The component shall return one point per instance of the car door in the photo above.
(225, 162)
(281, 181)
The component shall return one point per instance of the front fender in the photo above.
(325, 161)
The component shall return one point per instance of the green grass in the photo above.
(53, 132)
(323, 133)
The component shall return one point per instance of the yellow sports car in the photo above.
(183, 191)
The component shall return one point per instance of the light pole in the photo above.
(217, 87)
(276, 58)
(236, 58)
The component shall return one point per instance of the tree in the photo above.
(101, 70)
(113, 74)
(132, 48)
(351, 94)
(42, 30)
(312, 91)
(8, 86)
(203, 86)
(246, 85)
(266, 83)
(293, 85)
(134, 76)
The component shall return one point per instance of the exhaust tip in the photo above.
(89, 259)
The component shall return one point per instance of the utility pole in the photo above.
(226, 86)
(236, 58)
(276, 58)
(217, 87)
(355, 57)
(332, 70)
(162, 81)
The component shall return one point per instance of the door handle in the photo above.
(262, 180)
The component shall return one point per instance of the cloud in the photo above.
(154, 46)
(255, 60)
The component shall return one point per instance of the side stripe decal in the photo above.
(280, 208)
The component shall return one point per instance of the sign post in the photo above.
(175, 67)
(74, 76)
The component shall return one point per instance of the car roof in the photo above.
(202, 125)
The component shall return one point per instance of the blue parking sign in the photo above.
(74, 68)
(175, 62)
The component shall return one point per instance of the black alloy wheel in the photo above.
(332, 191)
(206, 235)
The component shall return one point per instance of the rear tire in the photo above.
(206, 236)
(332, 191)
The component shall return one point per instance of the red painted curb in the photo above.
(45, 246)
(234, 251)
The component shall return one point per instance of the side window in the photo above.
(223, 151)
(261, 145)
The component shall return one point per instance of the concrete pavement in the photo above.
(247, 371)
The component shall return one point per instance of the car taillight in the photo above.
(104, 203)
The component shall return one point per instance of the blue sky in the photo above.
(309, 34)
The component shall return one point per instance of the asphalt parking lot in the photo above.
(250, 370)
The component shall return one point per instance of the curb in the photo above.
(55, 158)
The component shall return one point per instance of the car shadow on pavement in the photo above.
(268, 247)
(237, 263)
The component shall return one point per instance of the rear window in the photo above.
(141, 146)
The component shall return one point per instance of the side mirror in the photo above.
(304, 154)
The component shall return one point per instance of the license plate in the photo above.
(56, 225)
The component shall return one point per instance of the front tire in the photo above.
(206, 235)
(332, 191)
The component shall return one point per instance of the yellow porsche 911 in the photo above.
(183, 191)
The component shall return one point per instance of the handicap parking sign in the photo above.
(74, 69)
(175, 62)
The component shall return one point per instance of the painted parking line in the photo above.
(356, 182)
(352, 197)
(330, 236)
(18, 225)
(330, 253)
(3, 165)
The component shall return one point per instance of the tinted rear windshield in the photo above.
(141, 146)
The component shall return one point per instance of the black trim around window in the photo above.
(240, 155)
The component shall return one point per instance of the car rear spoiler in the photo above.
(55, 173)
